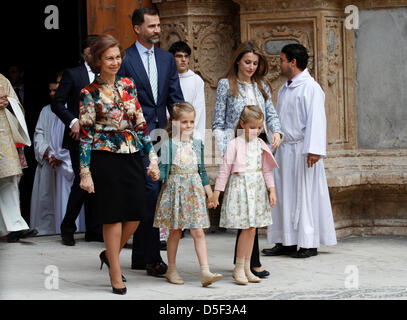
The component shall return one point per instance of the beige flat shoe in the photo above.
(240, 278)
(252, 278)
(209, 279)
(174, 277)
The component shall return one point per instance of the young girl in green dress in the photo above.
(182, 203)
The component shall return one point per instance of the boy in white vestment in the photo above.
(54, 174)
(192, 86)
(42, 213)
(303, 214)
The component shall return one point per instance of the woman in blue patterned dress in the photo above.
(181, 203)
(245, 84)
(113, 131)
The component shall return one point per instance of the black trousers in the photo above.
(77, 198)
(255, 259)
(146, 239)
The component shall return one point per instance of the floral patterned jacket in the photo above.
(111, 119)
(228, 110)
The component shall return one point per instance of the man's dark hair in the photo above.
(88, 41)
(180, 46)
(137, 18)
(298, 52)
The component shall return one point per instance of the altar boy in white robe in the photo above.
(54, 174)
(42, 213)
(303, 214)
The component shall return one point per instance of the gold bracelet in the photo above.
(85, 174)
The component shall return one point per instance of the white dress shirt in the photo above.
(142, 50)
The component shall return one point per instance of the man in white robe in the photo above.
(303, 214)
(54, 174)
(42, 213)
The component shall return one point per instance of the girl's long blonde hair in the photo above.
(177, 109)
(249, 112)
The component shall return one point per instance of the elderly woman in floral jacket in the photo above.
(245, 85)
(113, 131)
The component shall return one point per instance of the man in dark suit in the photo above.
(72, 82)
(155, 74)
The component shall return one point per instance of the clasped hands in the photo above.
(52, 161)
(3, 101)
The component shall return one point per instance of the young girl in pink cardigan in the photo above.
(247, 174)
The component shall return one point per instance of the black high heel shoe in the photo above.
(103, 259)
(121, 291)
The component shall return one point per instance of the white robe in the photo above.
(64, 178)
(192, 87)
(303, 214)
(10, 215)
(42, 214)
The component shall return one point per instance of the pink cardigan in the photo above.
(234, 161)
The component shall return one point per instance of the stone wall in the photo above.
(381, 56)
(211, 29)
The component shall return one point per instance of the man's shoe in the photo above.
(14, 236)
(305, 253)
(260, 274)
(279, 250)
(156, 269)
(68, 240)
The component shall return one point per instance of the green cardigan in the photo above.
(167, 150)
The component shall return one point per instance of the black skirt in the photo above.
(119, 182)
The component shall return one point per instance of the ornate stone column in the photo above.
(211, 28)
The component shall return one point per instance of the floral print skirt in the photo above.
(182, 203)
(245, 202)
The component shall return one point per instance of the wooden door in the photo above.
(114, 17)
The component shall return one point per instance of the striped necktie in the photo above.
(152, 74)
